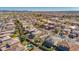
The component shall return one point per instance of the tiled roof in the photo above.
(64, 43)
(74, 48)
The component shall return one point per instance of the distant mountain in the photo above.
(39, 11)
(14, 11)
(67, 11)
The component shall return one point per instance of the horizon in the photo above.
(39, 8)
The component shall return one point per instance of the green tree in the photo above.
(23, 38)
(19, 27)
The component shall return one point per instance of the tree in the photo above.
(37, 40)
(23, 38)
(19, 27)
(56, 31)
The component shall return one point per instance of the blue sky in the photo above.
(41, 8)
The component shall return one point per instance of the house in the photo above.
(31, 35)
(10, 44)
(76, 32)
(63, 46)
(66, 31)
(48, 42)
(71, 35)
(49, 26)
(74, 48)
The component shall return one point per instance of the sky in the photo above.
(40, 8)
